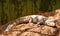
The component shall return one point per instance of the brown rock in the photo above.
(27, 30)
(48, 30)
(58, 24)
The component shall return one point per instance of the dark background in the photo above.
(11, 9)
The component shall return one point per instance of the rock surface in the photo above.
(34, 30)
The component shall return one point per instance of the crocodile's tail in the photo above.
(15, 22)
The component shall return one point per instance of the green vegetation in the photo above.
(11, 9)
